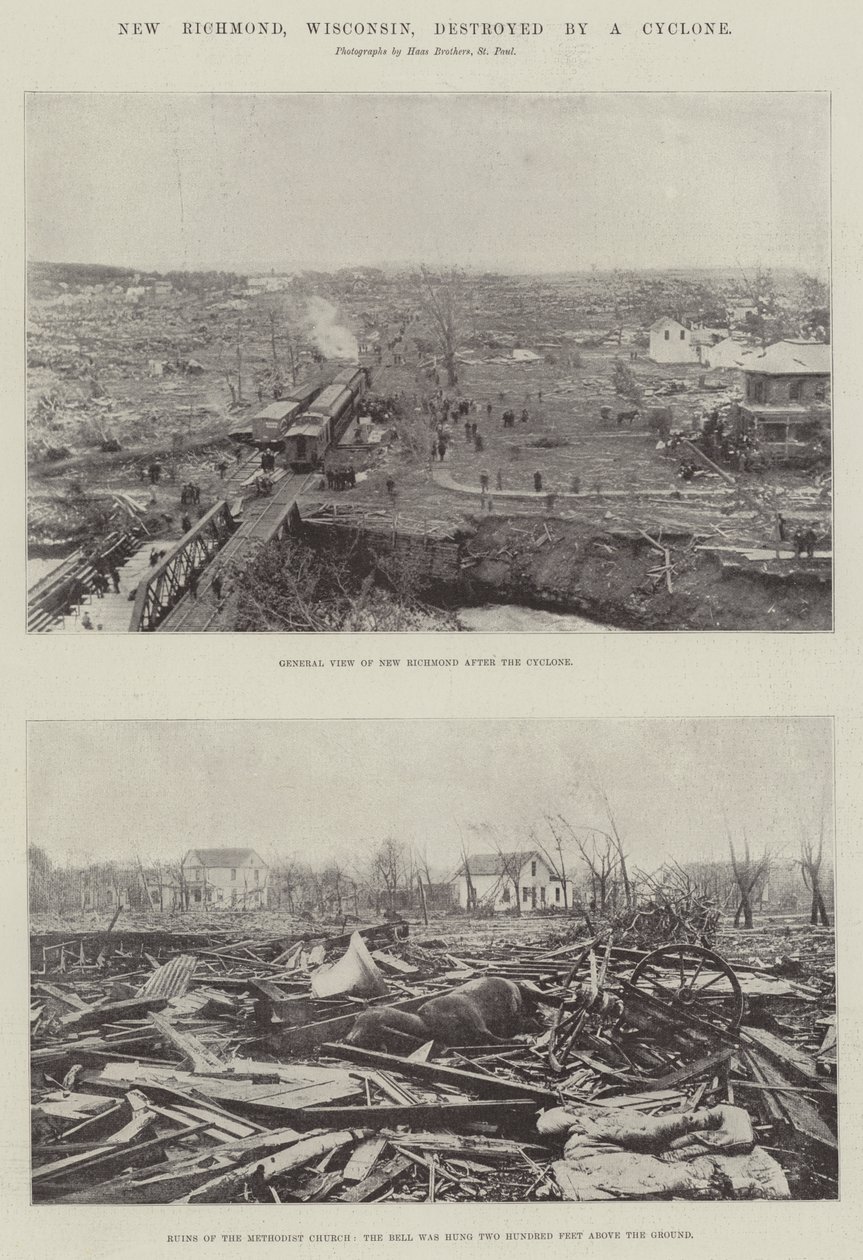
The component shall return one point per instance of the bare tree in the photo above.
(618, 845)
(442, 299)
(555, 856)
(748, 873)
(810, 868)
(388, 867)
(600, 855)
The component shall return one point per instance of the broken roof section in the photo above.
(791, 358)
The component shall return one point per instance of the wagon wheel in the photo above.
(568, 1020)
(692, 980)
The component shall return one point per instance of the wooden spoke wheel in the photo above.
(568, 1021)
(692, 980)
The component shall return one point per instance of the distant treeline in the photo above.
(77, 275)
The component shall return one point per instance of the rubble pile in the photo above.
(195, 1066)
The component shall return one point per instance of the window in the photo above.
(196, 872)
(257, 876)
(667, 335)
(683, 334)
(525, 895)
(774, 432)
(233, 872)
(755, 391)
(533, 869)
(795, 391)
(557, 893)
(542, 894)
(820, 392)
(505, 896)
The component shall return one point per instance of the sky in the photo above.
(514, 182)
(321, 790)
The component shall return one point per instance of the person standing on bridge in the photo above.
(193, 583)
(185, 523)
(217, 587)
(222, 467)
(537, 481)
(115, 579)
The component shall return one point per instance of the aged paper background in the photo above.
(802, 45)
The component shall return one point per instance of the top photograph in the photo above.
(505, 362)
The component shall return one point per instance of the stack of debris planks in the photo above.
(178, 1067)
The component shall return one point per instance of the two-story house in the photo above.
(496, 880)
(226, 877)
(786, 401)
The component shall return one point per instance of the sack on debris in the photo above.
(355, 972)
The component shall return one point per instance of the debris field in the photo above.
(212, 1067)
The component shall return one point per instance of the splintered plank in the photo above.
(378, 1181)
(130, 1008)
(194, 1051)
(449, 1114)
(296, 1086)
(471, 1082)
(223, 1187)
(363, 1159)
(390, 963)
(800, 1066)
(167, 1182)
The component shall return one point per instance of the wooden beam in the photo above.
(447, 1114)
(471, 1082)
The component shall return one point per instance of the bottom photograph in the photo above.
(430, 962)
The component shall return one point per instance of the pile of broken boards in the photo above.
(176, 1070)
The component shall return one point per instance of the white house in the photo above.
(728, 353)
(671, 342)
(495, 879)
(226, 877)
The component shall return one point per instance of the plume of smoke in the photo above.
(332, 338)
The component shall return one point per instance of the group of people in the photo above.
(190, 493)
(100, 580)
(268, 461)
(341, 478)
(509, 417)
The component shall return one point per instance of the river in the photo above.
(510, 617)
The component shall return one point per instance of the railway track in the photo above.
(262, 520)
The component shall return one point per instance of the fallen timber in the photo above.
(240, 1065)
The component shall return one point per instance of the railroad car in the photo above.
(325, 420)
(272, 423)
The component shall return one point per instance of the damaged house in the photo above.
(786, 403)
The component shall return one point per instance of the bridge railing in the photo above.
(168, 581)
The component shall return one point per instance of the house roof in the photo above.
(493, 863)
(221, 857)
(792, 358)
(663, 320)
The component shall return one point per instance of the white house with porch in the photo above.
(226, 877)
(495, 880)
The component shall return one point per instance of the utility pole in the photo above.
(239, 364)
